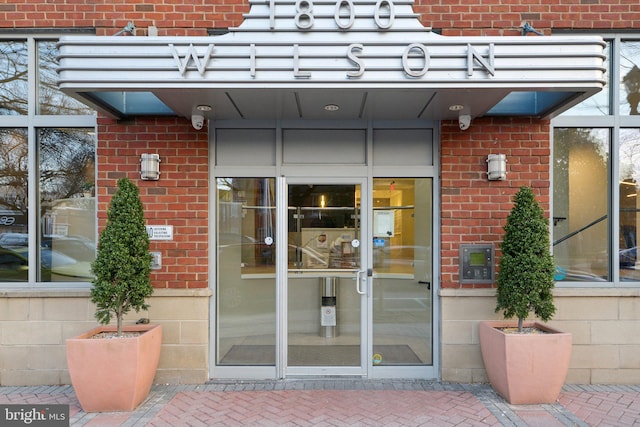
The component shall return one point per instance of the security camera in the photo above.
(197, 120)
(464, 120)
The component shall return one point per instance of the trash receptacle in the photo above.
(328, 313)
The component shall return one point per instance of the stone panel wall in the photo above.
(604, 324)
(35, 324)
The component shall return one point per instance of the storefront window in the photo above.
(67, 204)
(13, 75)
(580, 204)
(13, 205)
(50, 99)
(629, 155)
(629, 77)
(588, 201)
(60, 160)
(246, 290)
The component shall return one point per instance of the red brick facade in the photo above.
(194, 17)
(179, 199)
(472, 209)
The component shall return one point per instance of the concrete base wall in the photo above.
(35, 323)
(604, 324)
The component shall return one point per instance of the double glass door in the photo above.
(324, 277)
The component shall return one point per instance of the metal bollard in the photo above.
(328, 313)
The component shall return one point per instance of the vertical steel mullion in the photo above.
(613, 205)
(32, 149)
(281, 276)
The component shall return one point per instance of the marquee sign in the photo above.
(329, 40)
(418, 53)
(330, 44)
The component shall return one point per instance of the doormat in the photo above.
(319, 355)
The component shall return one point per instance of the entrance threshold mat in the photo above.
(319, 355)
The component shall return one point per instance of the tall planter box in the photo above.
(113, 374)
(525, 368)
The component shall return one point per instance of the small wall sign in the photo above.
(160, 232)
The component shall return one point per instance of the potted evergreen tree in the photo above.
(112, 368)
(526, 362)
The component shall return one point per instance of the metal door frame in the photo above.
(283, 172)
(282, 370)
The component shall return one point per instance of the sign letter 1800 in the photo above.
(304, 16)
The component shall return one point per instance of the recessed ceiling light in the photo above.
(331, 107)
(456, 107)
(203, 108)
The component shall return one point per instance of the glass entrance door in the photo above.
(324, 277)
(326, 284)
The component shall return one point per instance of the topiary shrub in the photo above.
(526, 274)
(123, 262)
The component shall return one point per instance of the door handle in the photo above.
(424, 282)
(358, 281)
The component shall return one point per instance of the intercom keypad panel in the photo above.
(476, 263)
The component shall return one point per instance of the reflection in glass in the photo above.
(324, 306)
(598, 104)
(67, 203)
(322, 225)
(13, 205)
(246, 293)
(50, 99)
(402, 296)
(629, 77)
(580, 200)
(13, 75)
(629, 155)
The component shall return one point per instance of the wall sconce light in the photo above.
(150, 167)
(497, 167)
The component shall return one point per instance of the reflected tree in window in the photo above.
(629, 154)
(14, 176)
(50, 99)
(632, 86)
(13, 78)
(67, 174)
(630, 76)
(67, 162)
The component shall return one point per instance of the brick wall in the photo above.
(179, 198)
(473, 209)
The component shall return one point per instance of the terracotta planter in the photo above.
(525, 368)
(113, 374)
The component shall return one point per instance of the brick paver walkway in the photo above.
(348, 403)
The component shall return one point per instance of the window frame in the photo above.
(614, 122)
(32, 122)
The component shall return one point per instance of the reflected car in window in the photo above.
(56, 266)
(627, 257)
(14, 239)
(77, 247)
(14, 267)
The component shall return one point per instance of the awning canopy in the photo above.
(352, 59)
